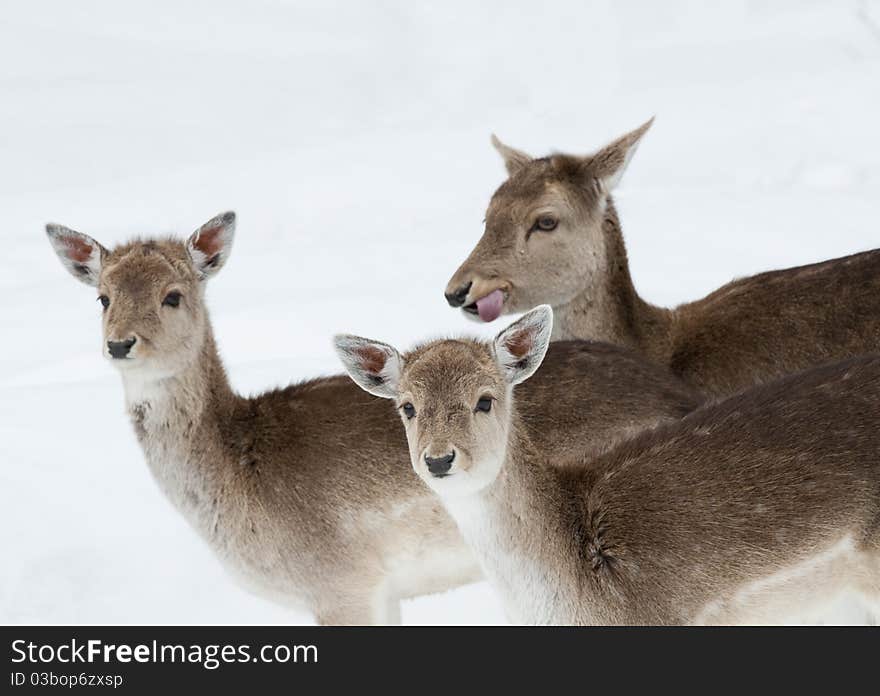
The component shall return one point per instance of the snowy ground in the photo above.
(352, 140)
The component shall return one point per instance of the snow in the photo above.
(352, 139)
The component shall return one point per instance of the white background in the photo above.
(353, 141)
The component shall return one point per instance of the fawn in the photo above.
(304, 492)
(744, 511)
(552, 236)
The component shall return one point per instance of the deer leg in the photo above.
(386, 611)
(346, 614)
(376, 608)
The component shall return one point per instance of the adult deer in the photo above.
(745, 511)
(553, 236)
(304, 492)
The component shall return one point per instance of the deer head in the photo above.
(455, 397)
(543, 239)
(151, 292)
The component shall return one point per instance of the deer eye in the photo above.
(546, 223)
(104, 300)
(484, 404)
(408, 410)
(172, 299)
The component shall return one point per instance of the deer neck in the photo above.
(519, 529)
(609, 308)
(178, 422)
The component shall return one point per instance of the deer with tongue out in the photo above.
(489, 307)
(553, 236)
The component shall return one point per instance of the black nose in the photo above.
(440, 466)
(119, 349)
(457, 298)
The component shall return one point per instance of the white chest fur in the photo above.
(528, 587)
(165, 416)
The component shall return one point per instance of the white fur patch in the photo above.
(788, 593)
(434, 570)
(522, 582)
(143, 384)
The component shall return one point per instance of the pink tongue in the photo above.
(489, 307)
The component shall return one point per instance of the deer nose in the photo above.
(119, 349)
(457, 297)
(440, 466)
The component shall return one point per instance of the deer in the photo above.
(747, 510)
(304, 493)
(552, 235)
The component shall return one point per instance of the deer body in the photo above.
(695, 523)
(281, 506)
(747, 332)
(553, 236)
(609, 550)
(304, 492)
(745, 511)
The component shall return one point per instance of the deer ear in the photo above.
(210, 245)
(521, 347)
(374, 366)
(608, 164)
(80, 254)
(514, 160)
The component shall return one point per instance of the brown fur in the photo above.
(747, 511)
(79, 250)
(305, 492)
(742, 489)
(374, 359)
(747, 332)
(519, 344)
(208, 241)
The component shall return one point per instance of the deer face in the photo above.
(543, 241)
(151, 293)
(455, 397)
(455, 406)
